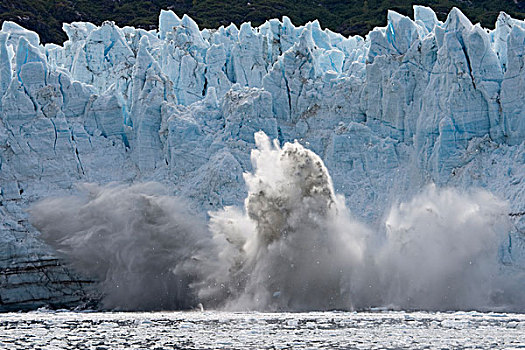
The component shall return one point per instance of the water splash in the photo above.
(294, 245)
(144, 246)
(441, 250)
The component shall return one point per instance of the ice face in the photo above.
(417, 101)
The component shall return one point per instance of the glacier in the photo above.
(416, 102)
(293, 246)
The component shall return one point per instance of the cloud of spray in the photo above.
(293, 246)
(441, 251)
(144, 246)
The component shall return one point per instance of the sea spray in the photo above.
(294, 245)
(143, 247)
(441, 250)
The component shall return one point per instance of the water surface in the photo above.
(250, 330)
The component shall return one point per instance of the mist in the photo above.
(143, 247)
(293, 245)
(441, 251)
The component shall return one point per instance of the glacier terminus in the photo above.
(418, 106)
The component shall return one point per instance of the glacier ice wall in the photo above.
(415, 102)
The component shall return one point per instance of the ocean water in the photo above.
(252, 330)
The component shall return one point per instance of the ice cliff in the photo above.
(415, 102)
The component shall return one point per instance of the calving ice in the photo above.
(405, 187)
(293, 246)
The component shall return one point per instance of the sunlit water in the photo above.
(225, 330)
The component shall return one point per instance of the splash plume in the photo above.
(143, 246)
(294, 245)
